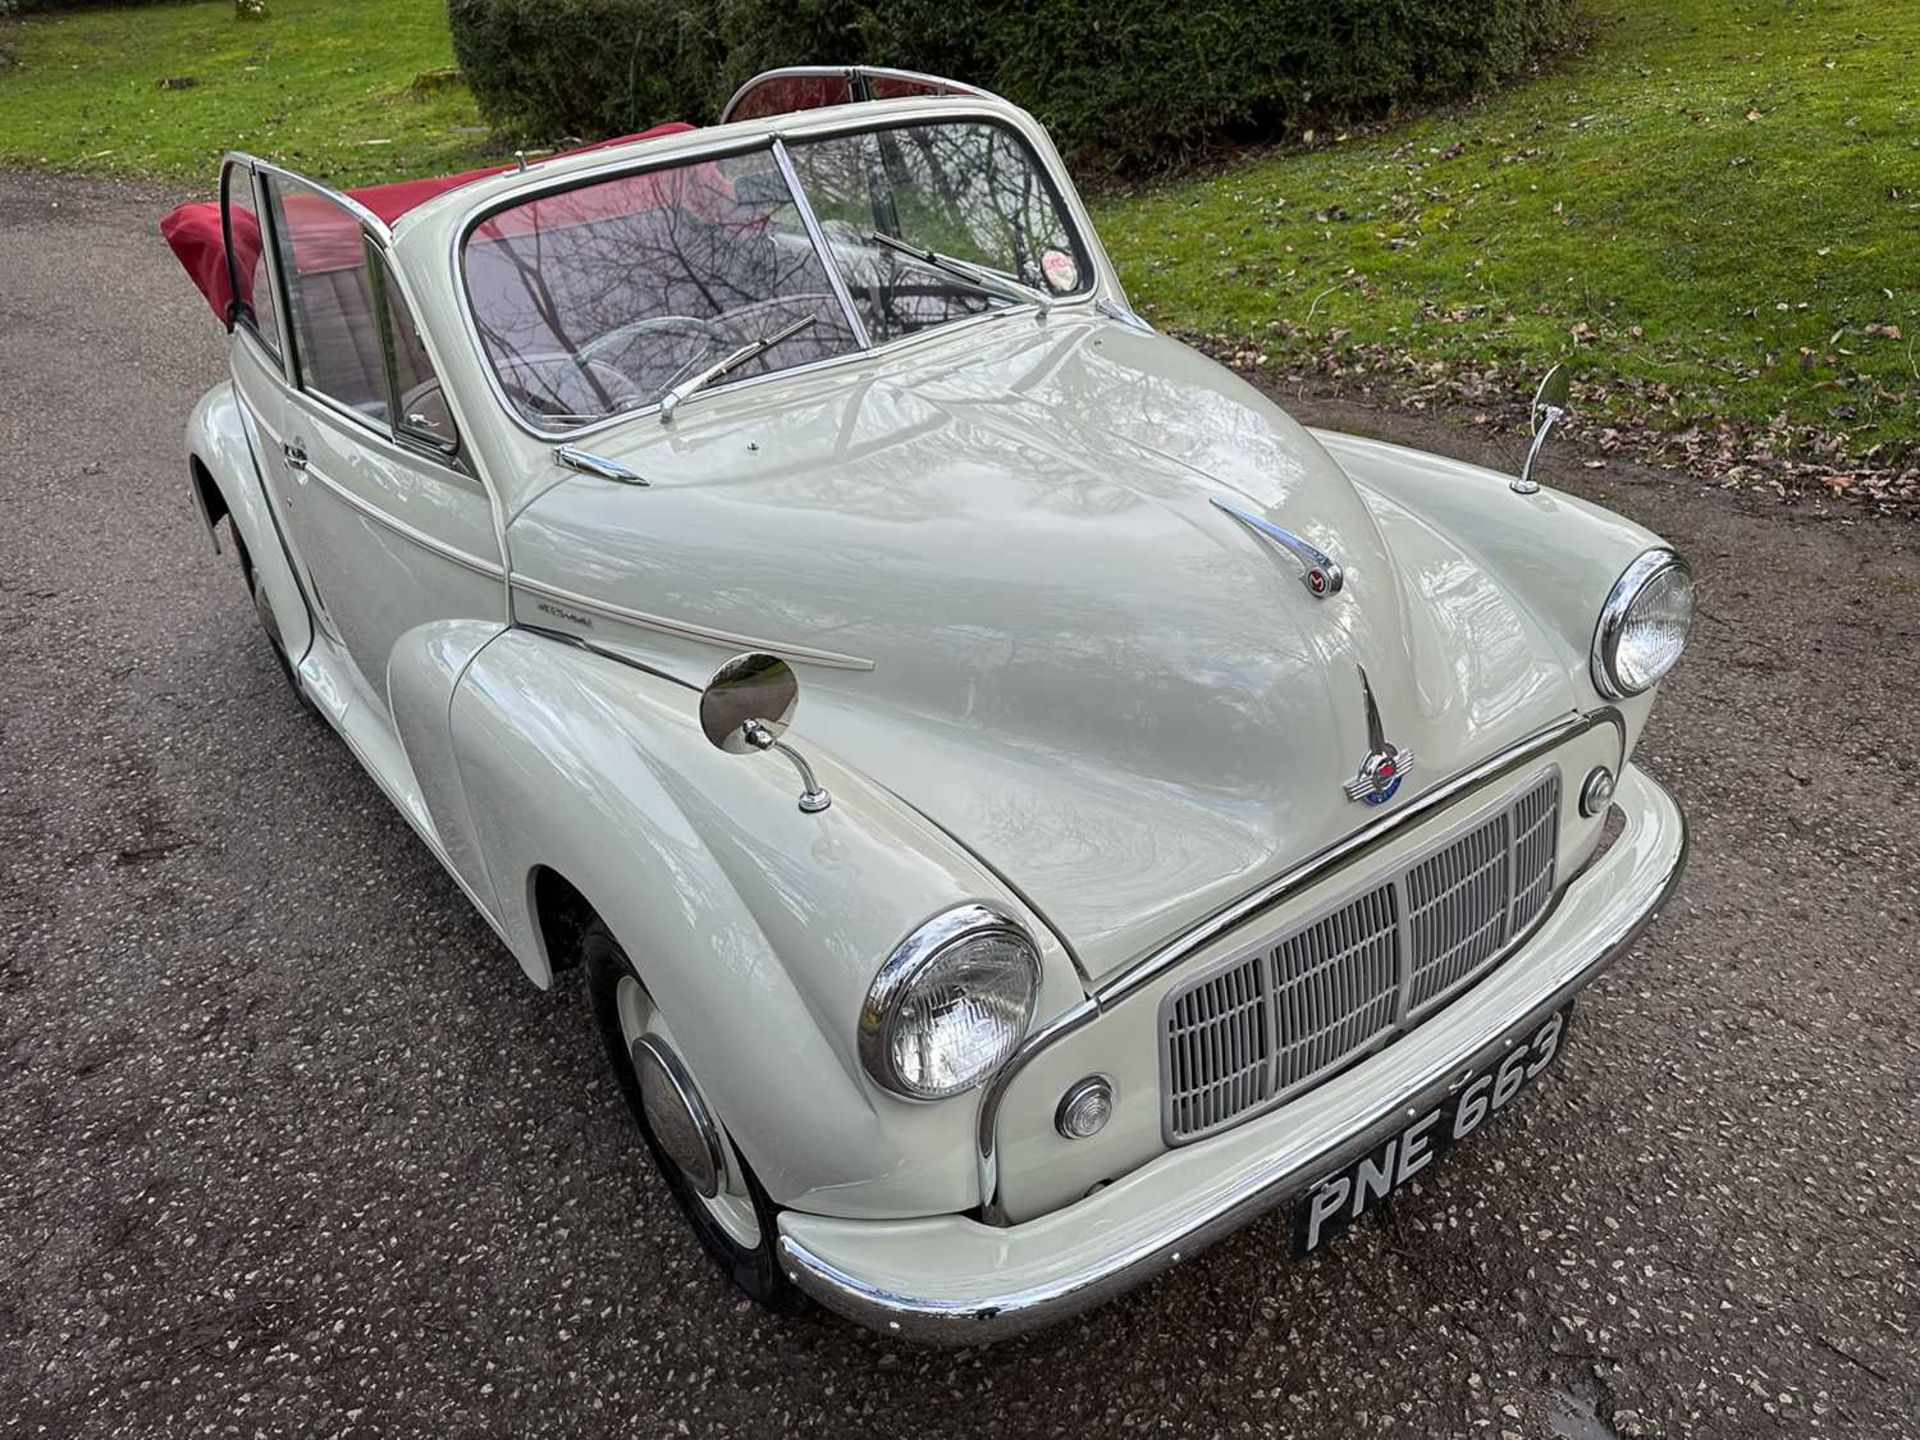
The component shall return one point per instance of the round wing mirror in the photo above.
(749, 703)
(1549, 405)
(1553, 394)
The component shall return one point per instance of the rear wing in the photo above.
(809, 87)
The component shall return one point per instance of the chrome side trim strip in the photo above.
(405, 531)
(1134, 978)
(685, 631)
(985, 1320)
(576, 642)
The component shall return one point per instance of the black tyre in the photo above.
(737, 1225)
(263, 607)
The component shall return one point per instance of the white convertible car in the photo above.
(1187, 813)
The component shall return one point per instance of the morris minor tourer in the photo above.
(1020, 804)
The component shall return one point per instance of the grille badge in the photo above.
(1386, 764)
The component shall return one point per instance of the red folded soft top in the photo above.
(193, 231)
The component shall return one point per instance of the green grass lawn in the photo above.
(1716, 209)
(344, 88)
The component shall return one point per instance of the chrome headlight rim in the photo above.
(1633, 582)
(908, 962)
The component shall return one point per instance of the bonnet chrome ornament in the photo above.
(1324, 576)
(1386, 764)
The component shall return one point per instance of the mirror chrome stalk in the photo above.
(812, 798)
(748, 705)
(1550, 404)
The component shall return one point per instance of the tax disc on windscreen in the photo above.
(1061, 270)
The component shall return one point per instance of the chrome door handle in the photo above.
(296, 454)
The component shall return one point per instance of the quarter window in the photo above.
(247, 256)
(422, 412)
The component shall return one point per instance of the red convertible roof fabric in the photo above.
(193, 231)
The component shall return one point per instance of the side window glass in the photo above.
(323, 258)
(247, 259)
(423, 413)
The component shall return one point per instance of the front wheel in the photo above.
(721, 1198)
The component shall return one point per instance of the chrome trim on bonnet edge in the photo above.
(984, 1321)
(690, 632)
(1131, 979)
(578, 642)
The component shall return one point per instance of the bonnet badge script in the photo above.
(1386, 764)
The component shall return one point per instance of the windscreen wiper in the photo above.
(978, 276)
(733, 360)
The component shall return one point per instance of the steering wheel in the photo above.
(562, 385)
(684, 327)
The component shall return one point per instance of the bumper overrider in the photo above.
(951, 1279)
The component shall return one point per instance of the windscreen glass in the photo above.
(965, 190)
(599, 299)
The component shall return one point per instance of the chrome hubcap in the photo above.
(688, 1132)
(676, 1116)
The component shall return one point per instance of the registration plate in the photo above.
(1342, 1198)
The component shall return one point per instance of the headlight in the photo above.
(1643, 626)
(950, 1005)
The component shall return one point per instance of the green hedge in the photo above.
(1130, 84)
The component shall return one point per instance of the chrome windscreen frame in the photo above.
(1132, 979)
(844, 120)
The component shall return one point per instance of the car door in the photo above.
(393, 528)
(261, 364)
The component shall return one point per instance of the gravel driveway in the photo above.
(287, 1146)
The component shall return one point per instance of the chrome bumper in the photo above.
(952, 1280)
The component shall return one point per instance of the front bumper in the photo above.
(950, 1279)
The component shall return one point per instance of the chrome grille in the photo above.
(1337, 984)
(1217, 1048)
(1537, 818)
(1457, 909)
(1247, 1035)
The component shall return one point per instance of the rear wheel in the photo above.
(263, 607)
(720, 1196)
